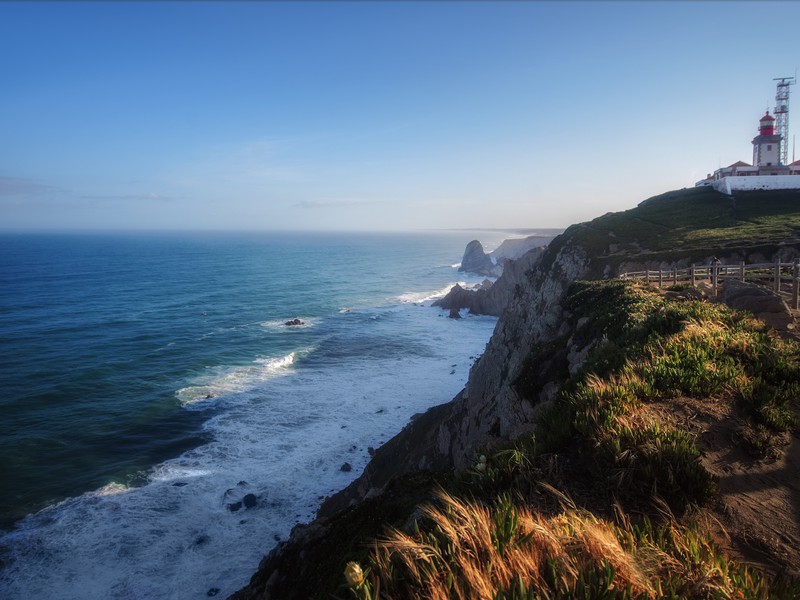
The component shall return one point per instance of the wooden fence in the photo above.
(782, 278)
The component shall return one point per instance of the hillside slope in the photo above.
(583, 415)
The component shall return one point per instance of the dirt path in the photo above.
(758, 508)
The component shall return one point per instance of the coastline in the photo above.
(253, 406)
(536, 347)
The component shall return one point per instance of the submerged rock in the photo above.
(294, 323)
(346, 467)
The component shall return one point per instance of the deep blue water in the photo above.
(148, 382)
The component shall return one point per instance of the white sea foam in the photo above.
(281, 438)
(428, 295)
(224, 381)
(112, 489)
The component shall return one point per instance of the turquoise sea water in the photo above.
(149, 384)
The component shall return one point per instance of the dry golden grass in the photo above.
(463, 557)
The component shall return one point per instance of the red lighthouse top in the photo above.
(766, 125)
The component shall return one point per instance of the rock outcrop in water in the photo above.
(475, 260)
(491, 298)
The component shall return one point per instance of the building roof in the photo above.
(739, 163)
(795, 164)
(766, 117)
(767, 139)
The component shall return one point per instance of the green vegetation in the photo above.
(692, 224)
(516, 526)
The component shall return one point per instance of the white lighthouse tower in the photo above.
(770, 169)
(766, 145)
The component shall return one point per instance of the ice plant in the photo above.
(354, 574)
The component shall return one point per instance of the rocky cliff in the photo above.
(489, 409)
(475, 260)
(495, 405)
(492, 298)
(514, 248)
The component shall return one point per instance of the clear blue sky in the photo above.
(374, 115)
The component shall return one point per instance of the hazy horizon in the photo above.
(358, 116)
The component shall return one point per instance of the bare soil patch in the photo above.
(757, 513)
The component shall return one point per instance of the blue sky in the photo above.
(374, 115)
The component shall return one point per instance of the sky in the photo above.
(374, 115)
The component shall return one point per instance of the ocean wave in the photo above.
(186, 530)
(428, 295)
(227, 381)
(111, 489)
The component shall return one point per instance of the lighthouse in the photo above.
(766, 145)
(770, 169)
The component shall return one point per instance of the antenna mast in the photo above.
(782, 115)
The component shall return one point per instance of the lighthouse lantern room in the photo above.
(766, 145)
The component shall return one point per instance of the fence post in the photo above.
(742, 266)
(795, 283)
(714, 277)
(675, 276)
(776, 286)
(660, 278)
(693, 277)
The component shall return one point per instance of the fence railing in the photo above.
(782, 278)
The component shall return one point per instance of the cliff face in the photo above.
(489, 409)
(492, 298)
(494, 407)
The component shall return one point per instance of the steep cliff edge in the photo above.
(683, 227)
(492, 298)
(541, 342)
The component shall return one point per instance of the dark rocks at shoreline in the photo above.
(235, 500)
(346, 467)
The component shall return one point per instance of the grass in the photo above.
(504, 551)
(690, 225)
(490, 535)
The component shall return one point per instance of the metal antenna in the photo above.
(782, 115)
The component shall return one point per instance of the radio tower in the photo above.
(782, 115)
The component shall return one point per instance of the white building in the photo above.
(766, 172)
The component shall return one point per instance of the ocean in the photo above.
(161, 427)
